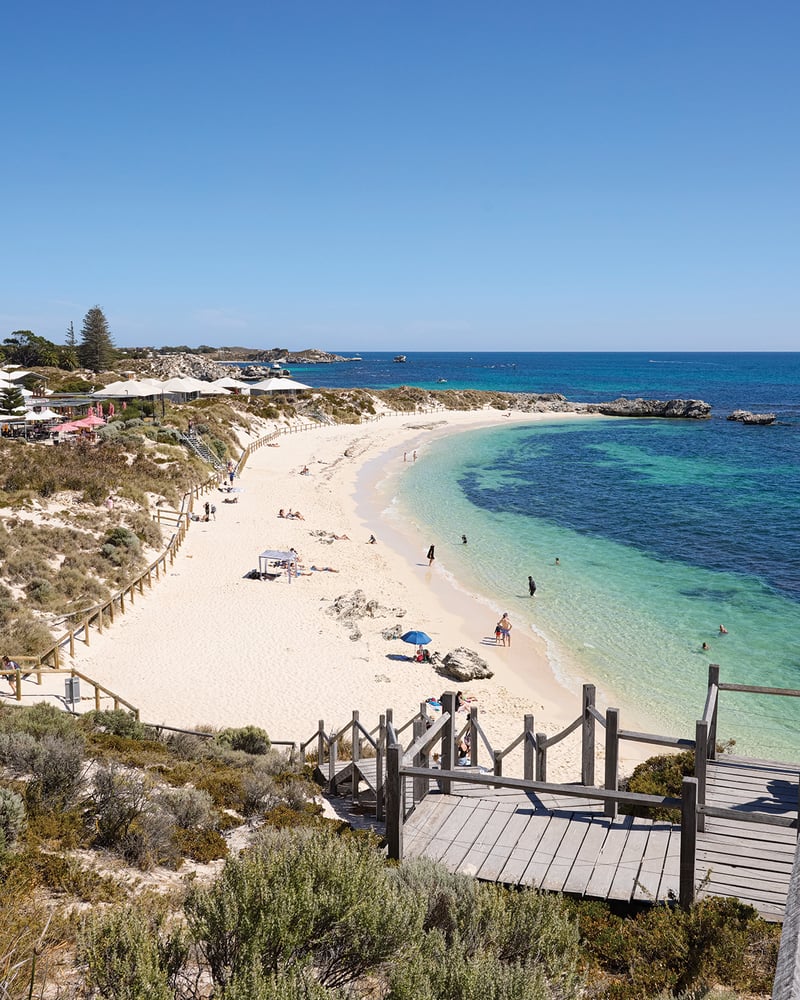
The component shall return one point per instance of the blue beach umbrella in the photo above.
(416, 637)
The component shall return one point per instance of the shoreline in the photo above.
(210, 647)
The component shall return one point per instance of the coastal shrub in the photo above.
(249, 739)
(260, 793)
(202, 845)
(130, 954)
(28, 939)
(441, 971)
(150, 839)
(252, 984)
(60, 873)
(660, 775)
(120, 545)
(189, 807)
(118, 798)
(665, 948)
(12, 817)
(57, 773)
(299, 898)
(39, 720)
(116, 722)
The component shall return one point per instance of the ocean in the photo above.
(663, 529)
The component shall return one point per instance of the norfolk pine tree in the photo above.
(96, 349)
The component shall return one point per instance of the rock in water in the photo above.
(691, 409)
(465, 665)
(746, 417)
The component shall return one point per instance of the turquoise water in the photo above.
(664, 530)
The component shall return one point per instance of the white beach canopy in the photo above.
(48, 414)
(274, 556)
(226, 382)
(130, 389)
(278, 385)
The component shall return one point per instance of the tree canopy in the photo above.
(96, 350)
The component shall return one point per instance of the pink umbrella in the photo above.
(91, 421)
(124, 405)
(111, 409)
(90, 411)
(66, 428)
(99, 409)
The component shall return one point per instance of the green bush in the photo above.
(120, 545)
(201, 845)
(189, 807)
(38, 721)
(252, 984)
(117, 722)
(130, 956)
(12, 817)
(303, 898)
(56, 773)
(662, 775)
(118, 799)
(249, 739)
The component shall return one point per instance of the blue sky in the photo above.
(404, 175)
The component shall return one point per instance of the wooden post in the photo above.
(355, 757)
(713, 678)
(132, 592)
(18, 684)
(320, 744)
(419, 788)
(688, 841)
(497, 768)
(158, 575)
(700, 767)
(528, 752)
(588, 736)
(473, 736)
(96, 698)
(394, 802)
(379, 762)
(333, 757)
(122, 601)
(86, 638)
(72, 642)
(541, 756)
(56, 658)
(612, 759)
(448, 737)
(100, 621)
(111, 610)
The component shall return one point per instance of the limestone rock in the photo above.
(691, 409)
(746, 417)
(464, 665)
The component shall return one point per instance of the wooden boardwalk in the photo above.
(568, 845)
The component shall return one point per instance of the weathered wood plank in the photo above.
(602, 877)
(425, 822)
(546, 850)
(483, 846)
(564, 858)
(506, 842)
(630, 861)
(438, 844)
(520, 855)
(653, 863)
(587, 857)
(468, 834)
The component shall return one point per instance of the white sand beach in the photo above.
(209, 646)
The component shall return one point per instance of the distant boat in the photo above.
(399, 358)
(277, 370)
(440, 380)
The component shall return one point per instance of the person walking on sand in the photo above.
(531, 586)
(430, 556)
(505, 629)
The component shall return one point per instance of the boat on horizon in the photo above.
(399, 358)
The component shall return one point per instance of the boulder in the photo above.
(686, 409)
(464, 665)
(746, 417)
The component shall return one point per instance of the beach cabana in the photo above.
(273, 562)
(233, 384)
(129, 389)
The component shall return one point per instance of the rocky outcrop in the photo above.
(686, 409)
(746, 417)
(180, 365)
(310, 356)
(464, 665)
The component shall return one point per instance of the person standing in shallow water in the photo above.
(430, 556)
(531, 586)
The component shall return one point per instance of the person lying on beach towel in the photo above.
(324, 569)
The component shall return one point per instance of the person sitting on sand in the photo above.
(304, 471)
(297, 515)
(324, 569)
(372, 540)
(341, 538)
(232, 500)
(281, 512)
(464, 749)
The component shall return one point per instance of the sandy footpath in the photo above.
(207, 645)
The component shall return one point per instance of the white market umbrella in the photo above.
(279, 385)
(48, 414)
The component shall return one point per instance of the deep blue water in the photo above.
(664, 529)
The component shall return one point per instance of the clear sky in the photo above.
(404, 175)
